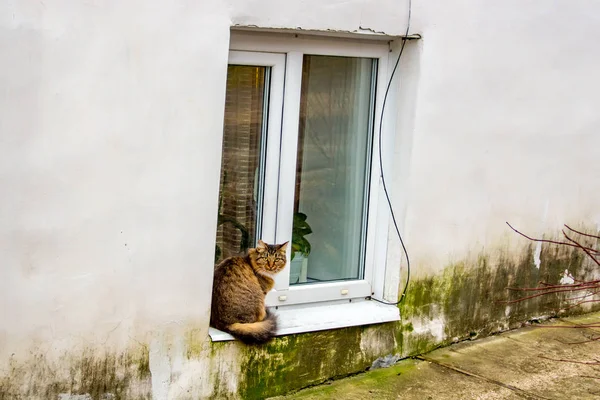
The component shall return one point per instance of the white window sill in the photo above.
(320, 317)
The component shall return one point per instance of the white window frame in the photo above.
(284, 55)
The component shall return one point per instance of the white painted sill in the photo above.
(320, 317)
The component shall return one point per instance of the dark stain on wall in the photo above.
(466, 296)
(106, 376)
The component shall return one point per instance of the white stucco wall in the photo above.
(106, 216)
(505, 123)
(110, 134)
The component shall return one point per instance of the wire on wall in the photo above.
(387, 196)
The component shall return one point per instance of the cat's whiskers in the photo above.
(266, 273)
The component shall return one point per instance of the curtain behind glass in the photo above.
(332, 169)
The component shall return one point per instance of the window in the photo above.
(298, 164)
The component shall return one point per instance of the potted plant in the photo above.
(245, 241)
(300, 248)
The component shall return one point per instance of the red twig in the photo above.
(592, 288)
(548, 241)
(572, 286)
(581, 302)
(542, 294)
(582, 248)
(577, 281)
(574, 280)
(581, 233)
(582, 342)
(584, 296)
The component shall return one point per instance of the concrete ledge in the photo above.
(319, 317)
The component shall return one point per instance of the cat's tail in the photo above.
(255, 332)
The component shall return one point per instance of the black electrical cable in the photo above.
(387, 196)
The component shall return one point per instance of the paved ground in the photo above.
(514, 365)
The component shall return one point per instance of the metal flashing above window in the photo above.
(362, 33)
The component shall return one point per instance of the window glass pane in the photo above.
(332, 169)
(241, 171)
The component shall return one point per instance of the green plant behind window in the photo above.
(300, 229)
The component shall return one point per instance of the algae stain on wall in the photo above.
(462, 302)
(297, 361)
(467, 297)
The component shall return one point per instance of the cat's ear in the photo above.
(262, 245)
(283, 247)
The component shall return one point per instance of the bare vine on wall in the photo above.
(580, 291)
(588, 288)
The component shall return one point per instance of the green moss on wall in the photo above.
(194, 342)
(464, 301)
(295, 361)
(277, 367)
(470, 298)
(467, 297)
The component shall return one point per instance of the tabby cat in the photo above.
(239, 288)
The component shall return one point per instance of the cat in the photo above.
(239, 288)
